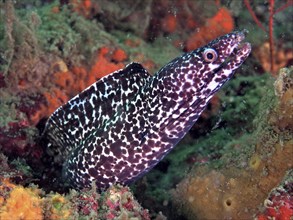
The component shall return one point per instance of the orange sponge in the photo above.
(23, 203)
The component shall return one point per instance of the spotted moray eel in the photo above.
(121, 126)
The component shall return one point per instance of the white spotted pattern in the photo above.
(124, 124)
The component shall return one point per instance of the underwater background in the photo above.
(236, 161)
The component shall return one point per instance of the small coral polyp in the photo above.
(254, 161)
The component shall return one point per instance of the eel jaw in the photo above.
(238, 56)
(241, 50)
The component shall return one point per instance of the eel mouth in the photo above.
(238, 55)
(242, 49)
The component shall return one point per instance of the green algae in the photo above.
(69, 35)
(240, 98)
(8, 111)
(21, 165)
(41, 31)
(151, 50)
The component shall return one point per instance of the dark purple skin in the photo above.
(120, 127)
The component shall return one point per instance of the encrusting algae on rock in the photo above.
(238, 192)
(278, 205)
(27, 203)
(19, 202)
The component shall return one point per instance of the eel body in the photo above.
(121, 126)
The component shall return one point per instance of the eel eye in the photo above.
(210, 55)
